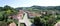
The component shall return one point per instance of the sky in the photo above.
(28, 3)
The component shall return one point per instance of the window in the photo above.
(22, 24)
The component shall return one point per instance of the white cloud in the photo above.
(27, 3)
(48, 2)
(41, 3)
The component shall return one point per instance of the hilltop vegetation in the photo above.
(5, 12)
(41, 7)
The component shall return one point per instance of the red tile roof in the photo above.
(12, 24)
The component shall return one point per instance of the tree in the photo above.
(7, 8)
(38, 21)
(1, 8)
(47, 20)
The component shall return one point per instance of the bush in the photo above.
(3, 23)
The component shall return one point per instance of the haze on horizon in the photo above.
(28, 3)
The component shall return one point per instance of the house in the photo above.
(18, 16)
(12, 24)
(33, 14)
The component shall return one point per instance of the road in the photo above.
(25, 20)
(57, 24)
